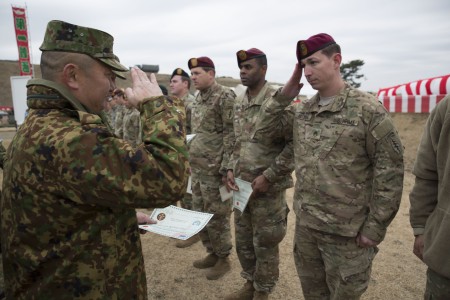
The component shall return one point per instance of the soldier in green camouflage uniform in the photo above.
(261, 161)
(349, 170)
(69, 224)
(180, 84)
(212, 124)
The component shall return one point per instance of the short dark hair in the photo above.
(187, 79)
(332, 49)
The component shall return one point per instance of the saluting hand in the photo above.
(293, 86)
(143, 87)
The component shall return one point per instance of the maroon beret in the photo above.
(179, 71)
(243, 55)
(313, 44)
(203, 61)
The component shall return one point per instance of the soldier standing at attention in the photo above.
(349, 173)
(260, 160)
(209, 151)
(180, 84)
(70, 190)
(131, 124)
(119, 111)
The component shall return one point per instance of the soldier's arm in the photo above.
(273, 114)
(423, 196)
(96, 168)
(284, 163)
(386, 153)
(228, 130)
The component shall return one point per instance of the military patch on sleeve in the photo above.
(382, 129)
(395, 143)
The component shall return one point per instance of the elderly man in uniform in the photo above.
(209, 153)
(263, 161)
(71, 188)
(349, 171)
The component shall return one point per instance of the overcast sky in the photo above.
(399, 40)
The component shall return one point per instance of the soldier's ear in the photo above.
(71, 76)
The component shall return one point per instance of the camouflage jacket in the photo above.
(212, 123)
(348, 163)
(69, 227)
(256, 153)
(132, 126)
(429, 197)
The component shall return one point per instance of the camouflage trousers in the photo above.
(331, 266)
(216, 236)
(186, 202)
(259, 230)
(438, 286)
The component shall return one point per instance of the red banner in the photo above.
(20, 25)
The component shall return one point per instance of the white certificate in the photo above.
(189, 137)
(240, 198)
(177, 222)
(189, 186)
(224, 193)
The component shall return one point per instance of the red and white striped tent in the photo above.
(415, 97)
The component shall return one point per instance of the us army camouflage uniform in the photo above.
(262, 225)
(212, 122)
(188, 99)
(349, 170)
(87, 244)
(132, 126)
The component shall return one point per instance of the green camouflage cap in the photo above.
(120, 74)
(62, 36)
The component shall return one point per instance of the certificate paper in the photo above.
(240, 198)
(189, 137)
(177, 222)
(225, 194)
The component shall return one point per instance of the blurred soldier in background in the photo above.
(180, 84)
(119, 108)
(209, 153)
(131, 125)
(261, 160)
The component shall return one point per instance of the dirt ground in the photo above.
(397, 273)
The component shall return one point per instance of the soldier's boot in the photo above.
(186, 243)
(259, 295)
(222, 267)
(244, 293)
(209, 261)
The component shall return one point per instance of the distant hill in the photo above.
(11, 68)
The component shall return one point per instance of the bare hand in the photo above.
(144, 219)
(418, 246)
(143, 87)
(260, 185)
(293, 86)
(364, 242)
(230, 182)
